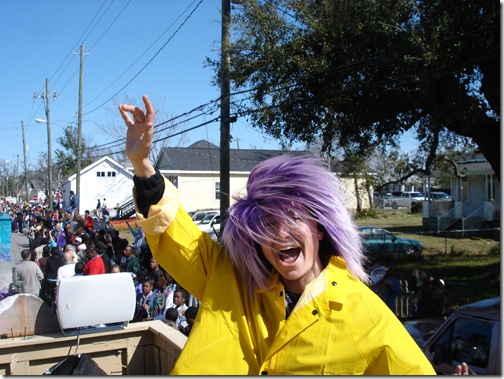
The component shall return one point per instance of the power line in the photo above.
(147, 64)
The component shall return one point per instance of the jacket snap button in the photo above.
(314, 312)
(264, 372)
(334, 283)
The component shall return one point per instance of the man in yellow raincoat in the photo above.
(286, 291)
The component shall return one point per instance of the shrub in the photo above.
(367, 213)
(455, 251)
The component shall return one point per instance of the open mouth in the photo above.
(289, 255)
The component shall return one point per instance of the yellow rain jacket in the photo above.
(339, 326)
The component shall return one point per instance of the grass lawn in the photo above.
(470, 266)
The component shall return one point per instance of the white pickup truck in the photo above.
(407, 199)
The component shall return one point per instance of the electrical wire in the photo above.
(148, 62)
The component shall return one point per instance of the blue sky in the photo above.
(36, 42)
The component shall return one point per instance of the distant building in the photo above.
(104, 178)
(195, 171)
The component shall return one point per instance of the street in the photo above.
(19, 242)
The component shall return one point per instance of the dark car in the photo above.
(471, 334)
(440, 196)
(377, 240)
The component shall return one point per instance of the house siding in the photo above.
(116, 189)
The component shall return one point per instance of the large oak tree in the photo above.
(362, 72)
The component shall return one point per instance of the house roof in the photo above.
(205, 156)
(98, 162)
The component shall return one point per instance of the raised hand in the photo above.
(139, 136)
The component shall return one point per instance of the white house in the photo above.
(103, 179)
(476, 195)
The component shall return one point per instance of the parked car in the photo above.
(376, 240)
(381, 200)
(471, 334)
(210, 223)
(407, 199)
(199, 215)
(440, 196)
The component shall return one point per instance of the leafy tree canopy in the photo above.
(66, 157)
(363, 72)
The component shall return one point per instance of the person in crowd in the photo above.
(108, 224)
(144, 302)
(430, 297)
(155, 271)
(61, 240)
(29, 274)
(115, 268)
(130, 263)
(118, 245)
(94, 264)
(71, 249)
(81, 252)
(68, 233)
(98, 209)
(179, 301)
(79, 269)
(73, 204)
(102, 251)
(67, 270)
(190, 316)
(163, 296)
(171, 317)
(39, 246)
(46, 253)
(89, 222)
(290, 264)
(386, 286)
(54, 262)
(139, 277)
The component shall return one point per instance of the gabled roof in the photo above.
(111, 162)
(205, 156)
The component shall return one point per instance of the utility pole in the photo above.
(79, 123)
(225, 109)
(16, 178)
(25, 170)
(49, 164)
(47, 98)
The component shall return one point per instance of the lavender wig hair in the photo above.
(275, 188)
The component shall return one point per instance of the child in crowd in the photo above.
(145, 302)
(190, 315)
(115, 269)
(171, 317)
(154, 271)
(179, 298)
(163, 296)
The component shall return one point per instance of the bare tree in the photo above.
(113, 128)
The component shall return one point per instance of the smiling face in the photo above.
(294, 252)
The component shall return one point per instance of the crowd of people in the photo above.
(425, 293)
(63, 243)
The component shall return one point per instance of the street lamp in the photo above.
(49, 164)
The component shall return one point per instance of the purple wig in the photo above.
(277, 187)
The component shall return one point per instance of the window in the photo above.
(217, 190)
(108, 174)
(465, 340)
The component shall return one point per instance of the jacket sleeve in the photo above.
(149, 190)
(180, 247)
